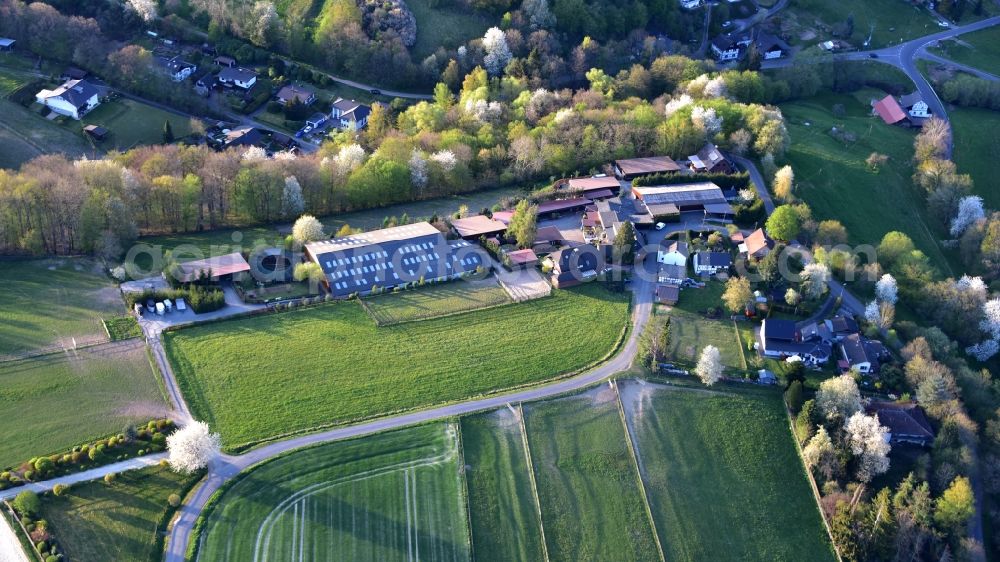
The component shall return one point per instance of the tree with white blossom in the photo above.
(974, 284)
(709, 368)
(676, 104)
(838, 397)
(307, 229)
(869, 441)
(970, 210)
(886, 289)
(872, 313)
(418, 170)
(193, 447)
(350, 157)
(984, 350)
(292, 201)
(446, 159)
(498, 54)
(145, 8)
(820, 454)
(815, 280)
(716, 87)
(706, 119)
(254, 154)
(991, 318)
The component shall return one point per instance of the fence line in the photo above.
(91, 341)
(531, 478)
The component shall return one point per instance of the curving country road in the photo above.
(229, 466)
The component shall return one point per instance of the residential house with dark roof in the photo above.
(349, 114)
(672, 252)
(291, 92)
(242, 78)
(74, 98)
(242, 136)
(730, 46)
(781, 339)
(862, 354)
(573, 266)
(906, 422)
(771, 46)
(710, 160)
(392, 257)
(179, 69)
(841, 326)
(671, 274)
(712, 262)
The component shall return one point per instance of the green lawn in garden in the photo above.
(134, 123)
(258, 378)
(977, 148)
(690, 333)
(980, 49)
(889, 21)
(51, 301)
(832, 176)
(123, 521)
(432, 301)
(697, 300)
(503, 511)
(391, 496)
(723, 476)
(446, 26)
(592, 506)
(25, 135)
(54, 402)
(123, 327)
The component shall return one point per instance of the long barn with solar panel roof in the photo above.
(393, 257)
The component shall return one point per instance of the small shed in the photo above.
(668, 294)
(6, 44)
(522, 258)
(96, 132)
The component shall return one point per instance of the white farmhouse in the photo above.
(672, 252)
(74, 98)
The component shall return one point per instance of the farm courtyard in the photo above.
(257, 378)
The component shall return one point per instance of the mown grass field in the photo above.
(592, 507)
(446, 27)
(889, 21)
(502, 508)
(977, 147)
(723, 476)
(54, 402)
(980, 49)
(833, 179)
(134, 123)
(26, 135)
(261, 377)
(690, 333)
(97, 522)
(391, 496)
(435, 300)
(50, 301)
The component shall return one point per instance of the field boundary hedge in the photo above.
(465, 488)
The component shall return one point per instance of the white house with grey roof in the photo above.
(349, 114)
(74, 98)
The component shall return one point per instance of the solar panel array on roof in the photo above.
(392, 257)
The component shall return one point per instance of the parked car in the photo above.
(181, 305)
(661, 225)
(727, 24)
(150, 305)
(873, 55)
(168, 305)
(375, 91)
(160, 309)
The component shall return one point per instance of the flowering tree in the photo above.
(886, 289)
(254, 154)
(350, 157)
(820, 455)
(709, 368)
(869, 442)
(307, 229)
(446, 159)
(991, 318)
(145, 8)
(292, 202)
(838, 397)
(792, 297)
(983, 350)
(815, 279)
(872, 313)
(497, 52)
(418, 169)
(678, 103)
(716, 87)
(193, 447)
(706, 119)
(970, 210)
(784, 182)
